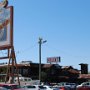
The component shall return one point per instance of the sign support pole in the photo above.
(12, 69)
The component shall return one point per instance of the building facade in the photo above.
(49, 72)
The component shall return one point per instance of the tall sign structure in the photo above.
(6, 39)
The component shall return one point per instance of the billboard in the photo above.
(53, 59)
(6, 27)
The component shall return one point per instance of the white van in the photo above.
(26, 80)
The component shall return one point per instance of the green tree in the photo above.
(43, 76)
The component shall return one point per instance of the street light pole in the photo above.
(40, 43)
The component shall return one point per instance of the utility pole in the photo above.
(40, 44)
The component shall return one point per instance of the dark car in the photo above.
(11, 86)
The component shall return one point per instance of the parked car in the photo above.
(48, 87)
(84, 84)
(57, 87)
(2, 88)
(72, 86)
(62, 88)
(83, 88)
(30, 87)
(34, 87)
(67, 85)
(11, 86)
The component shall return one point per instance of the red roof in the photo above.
(73, 71)
(47, 65)
(86, 76)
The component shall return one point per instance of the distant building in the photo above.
(84, 68)
(49, 72)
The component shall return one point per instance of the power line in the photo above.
(25, 50)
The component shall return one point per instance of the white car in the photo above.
(84, 84)
(48, 87)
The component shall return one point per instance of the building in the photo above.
(49, 72)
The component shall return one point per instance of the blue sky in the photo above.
(65, 24)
